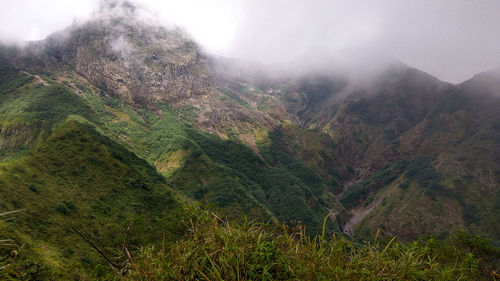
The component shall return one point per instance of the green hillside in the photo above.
(77, 180)
(447, 135)
(128, 153)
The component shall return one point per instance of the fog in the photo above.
(450, 39)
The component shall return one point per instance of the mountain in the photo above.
(484, 84)
(422, 153)
(111, 130)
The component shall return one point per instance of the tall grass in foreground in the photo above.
(216, 250)
(9, 253)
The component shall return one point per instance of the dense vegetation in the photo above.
(77, 188)
(276, 186)
(74, 186)
(418, 170)
(214, 249)
(217, 250)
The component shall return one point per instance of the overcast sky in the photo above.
(451, 39)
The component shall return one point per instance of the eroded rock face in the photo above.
(142, 63)
(138, 62)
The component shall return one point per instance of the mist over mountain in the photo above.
(451, 40)
(129, 150)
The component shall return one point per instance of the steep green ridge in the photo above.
(77, 178)
(29, 108)
(64, 175)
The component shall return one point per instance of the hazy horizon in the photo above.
(452, 40)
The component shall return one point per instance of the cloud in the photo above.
(34, 20)
(122, 47)
(451, 39)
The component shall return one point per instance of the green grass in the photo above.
(217, 250)
(29, 111)
(80, 180)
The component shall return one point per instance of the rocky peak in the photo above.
(132, 58)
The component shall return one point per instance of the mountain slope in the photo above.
(379, 127)
(68, 178)
(95, 154)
